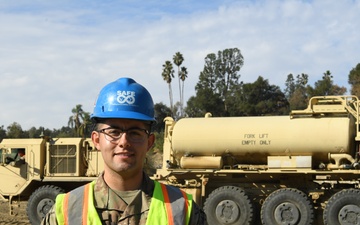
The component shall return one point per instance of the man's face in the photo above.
(124, 155)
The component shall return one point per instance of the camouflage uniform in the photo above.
(114, 211)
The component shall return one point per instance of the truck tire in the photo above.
(287, 206)
(228, 205)
(343, 208)
(40, 202)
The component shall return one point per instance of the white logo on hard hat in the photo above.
(126, 97)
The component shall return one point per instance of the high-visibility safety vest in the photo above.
(169, 206)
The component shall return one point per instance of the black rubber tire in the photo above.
(228, 205)
(287, 206)
(40, 202)
(343, 208)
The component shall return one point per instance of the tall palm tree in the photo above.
(178, 59)
(76, 119)
(183, 76)
(84, 127)
(168, 74)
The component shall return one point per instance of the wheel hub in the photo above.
(287, 213)
(227, 211)
(44, 206)
(349, 215)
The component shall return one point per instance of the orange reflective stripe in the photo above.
(167, 204)
(77, 207)
(186, 205)
(65, 209)
(85, 204)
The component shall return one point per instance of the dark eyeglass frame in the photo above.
(115, 139)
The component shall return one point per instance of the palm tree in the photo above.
(183, 76)
(168, 74)
(178, 60)
(84, 127)
(327, 82)
(76, 119)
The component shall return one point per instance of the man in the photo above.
(123, 193)
(20, 158)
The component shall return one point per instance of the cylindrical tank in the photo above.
(252, 139)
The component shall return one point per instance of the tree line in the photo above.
(218, 91)
(79, 125)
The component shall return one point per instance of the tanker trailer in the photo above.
(250, 140)
(270, 169)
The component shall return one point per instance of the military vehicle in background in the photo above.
(36, 170)
(299, 169)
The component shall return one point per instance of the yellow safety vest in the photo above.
(169, 206)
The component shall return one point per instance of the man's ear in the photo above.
(151, 141)
(95, 137)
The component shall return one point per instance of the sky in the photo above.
(57, 54)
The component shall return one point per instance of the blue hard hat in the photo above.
(124, 99)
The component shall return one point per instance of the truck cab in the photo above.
(39, 169)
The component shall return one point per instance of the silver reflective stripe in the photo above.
(75, 206)
(178, 202)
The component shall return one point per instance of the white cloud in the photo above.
(54, 56)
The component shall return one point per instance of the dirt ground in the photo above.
(19, 217)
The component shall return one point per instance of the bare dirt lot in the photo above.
(19, 217)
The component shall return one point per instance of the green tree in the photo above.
(85, 127)
(64, 131)
(354, 80)
(183, 75)
(217, 81)
(168, 75)
(36, 132)
(14, 130)
(161, 112)
(2, 133)
(290, 86)
(206, 99)
(228, 64)
(299, 98)
(178, 59)
(325, 87)
(76, 119)
(260, 98)
(322, 87)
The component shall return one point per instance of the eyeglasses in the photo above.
(133, 134)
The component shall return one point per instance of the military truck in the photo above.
(37, 170)
(299, 169)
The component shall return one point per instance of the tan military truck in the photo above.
(300, 169)
(37, 170)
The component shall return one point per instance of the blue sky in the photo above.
(56, 54)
